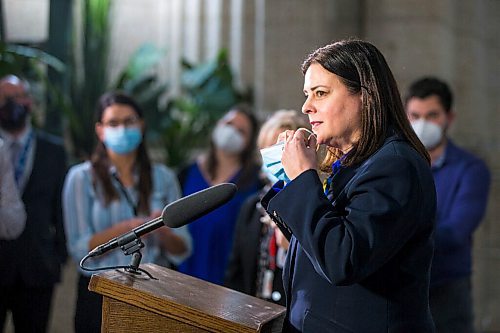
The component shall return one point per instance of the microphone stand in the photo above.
(133, 248)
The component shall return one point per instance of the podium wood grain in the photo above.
(176, 302)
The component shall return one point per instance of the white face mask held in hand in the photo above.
(428, 132)
(271, 160)
(227, 138)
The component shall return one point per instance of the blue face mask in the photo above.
(271, 162)
(122, 140)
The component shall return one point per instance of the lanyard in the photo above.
(272, 251)
(122, 189)
(20, 164)
(327, 184)
(336, 166)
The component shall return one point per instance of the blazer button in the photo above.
(276, 296)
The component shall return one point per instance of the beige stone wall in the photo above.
(458, 41)
(293, 29)
(16, 29)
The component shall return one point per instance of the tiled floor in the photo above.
(64, 303)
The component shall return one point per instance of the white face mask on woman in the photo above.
(428, 132)
(227, 138)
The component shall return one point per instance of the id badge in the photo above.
(267, 284)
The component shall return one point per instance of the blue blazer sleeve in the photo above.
(372, 219)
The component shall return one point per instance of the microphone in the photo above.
(175, 214)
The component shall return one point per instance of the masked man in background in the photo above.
(462, 185)
(31, 264)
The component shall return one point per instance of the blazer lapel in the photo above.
(342, 177)
(340, 180)
(288, 271)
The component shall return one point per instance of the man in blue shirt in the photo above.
(462, 184)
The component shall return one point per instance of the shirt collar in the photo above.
(22, 138)
(439, 162)
(113, 172)
(337, 165)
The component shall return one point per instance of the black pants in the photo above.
(30, 307)
(451, 307)
(88, 314)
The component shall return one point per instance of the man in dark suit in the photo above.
(31, 264)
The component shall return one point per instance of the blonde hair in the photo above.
(283, 120)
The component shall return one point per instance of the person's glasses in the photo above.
(127, 122)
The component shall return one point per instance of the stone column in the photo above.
(286, 31)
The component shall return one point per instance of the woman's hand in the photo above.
(132, 223)
(281, 239)
(168, 240)
(299, 152)
(114, 231)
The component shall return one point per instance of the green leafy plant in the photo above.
(88, 75)
(139, 79)
(90, 79)
(207, 93)
(29, 63)
(25, 61)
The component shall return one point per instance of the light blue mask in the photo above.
(268, 174)
(122, 140)
(271, 162)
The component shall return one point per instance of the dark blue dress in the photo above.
(213, 233)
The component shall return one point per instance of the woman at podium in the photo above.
(361, 247)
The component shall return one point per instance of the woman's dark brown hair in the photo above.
(101, 163)
(363, 69)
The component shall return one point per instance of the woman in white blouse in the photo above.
(116, 191)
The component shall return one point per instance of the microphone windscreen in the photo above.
(193, 206)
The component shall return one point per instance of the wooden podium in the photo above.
(176, 302)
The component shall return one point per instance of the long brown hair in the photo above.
(101, 163)
(363, 69)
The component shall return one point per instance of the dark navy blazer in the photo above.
(360, 263)
(36, 256)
